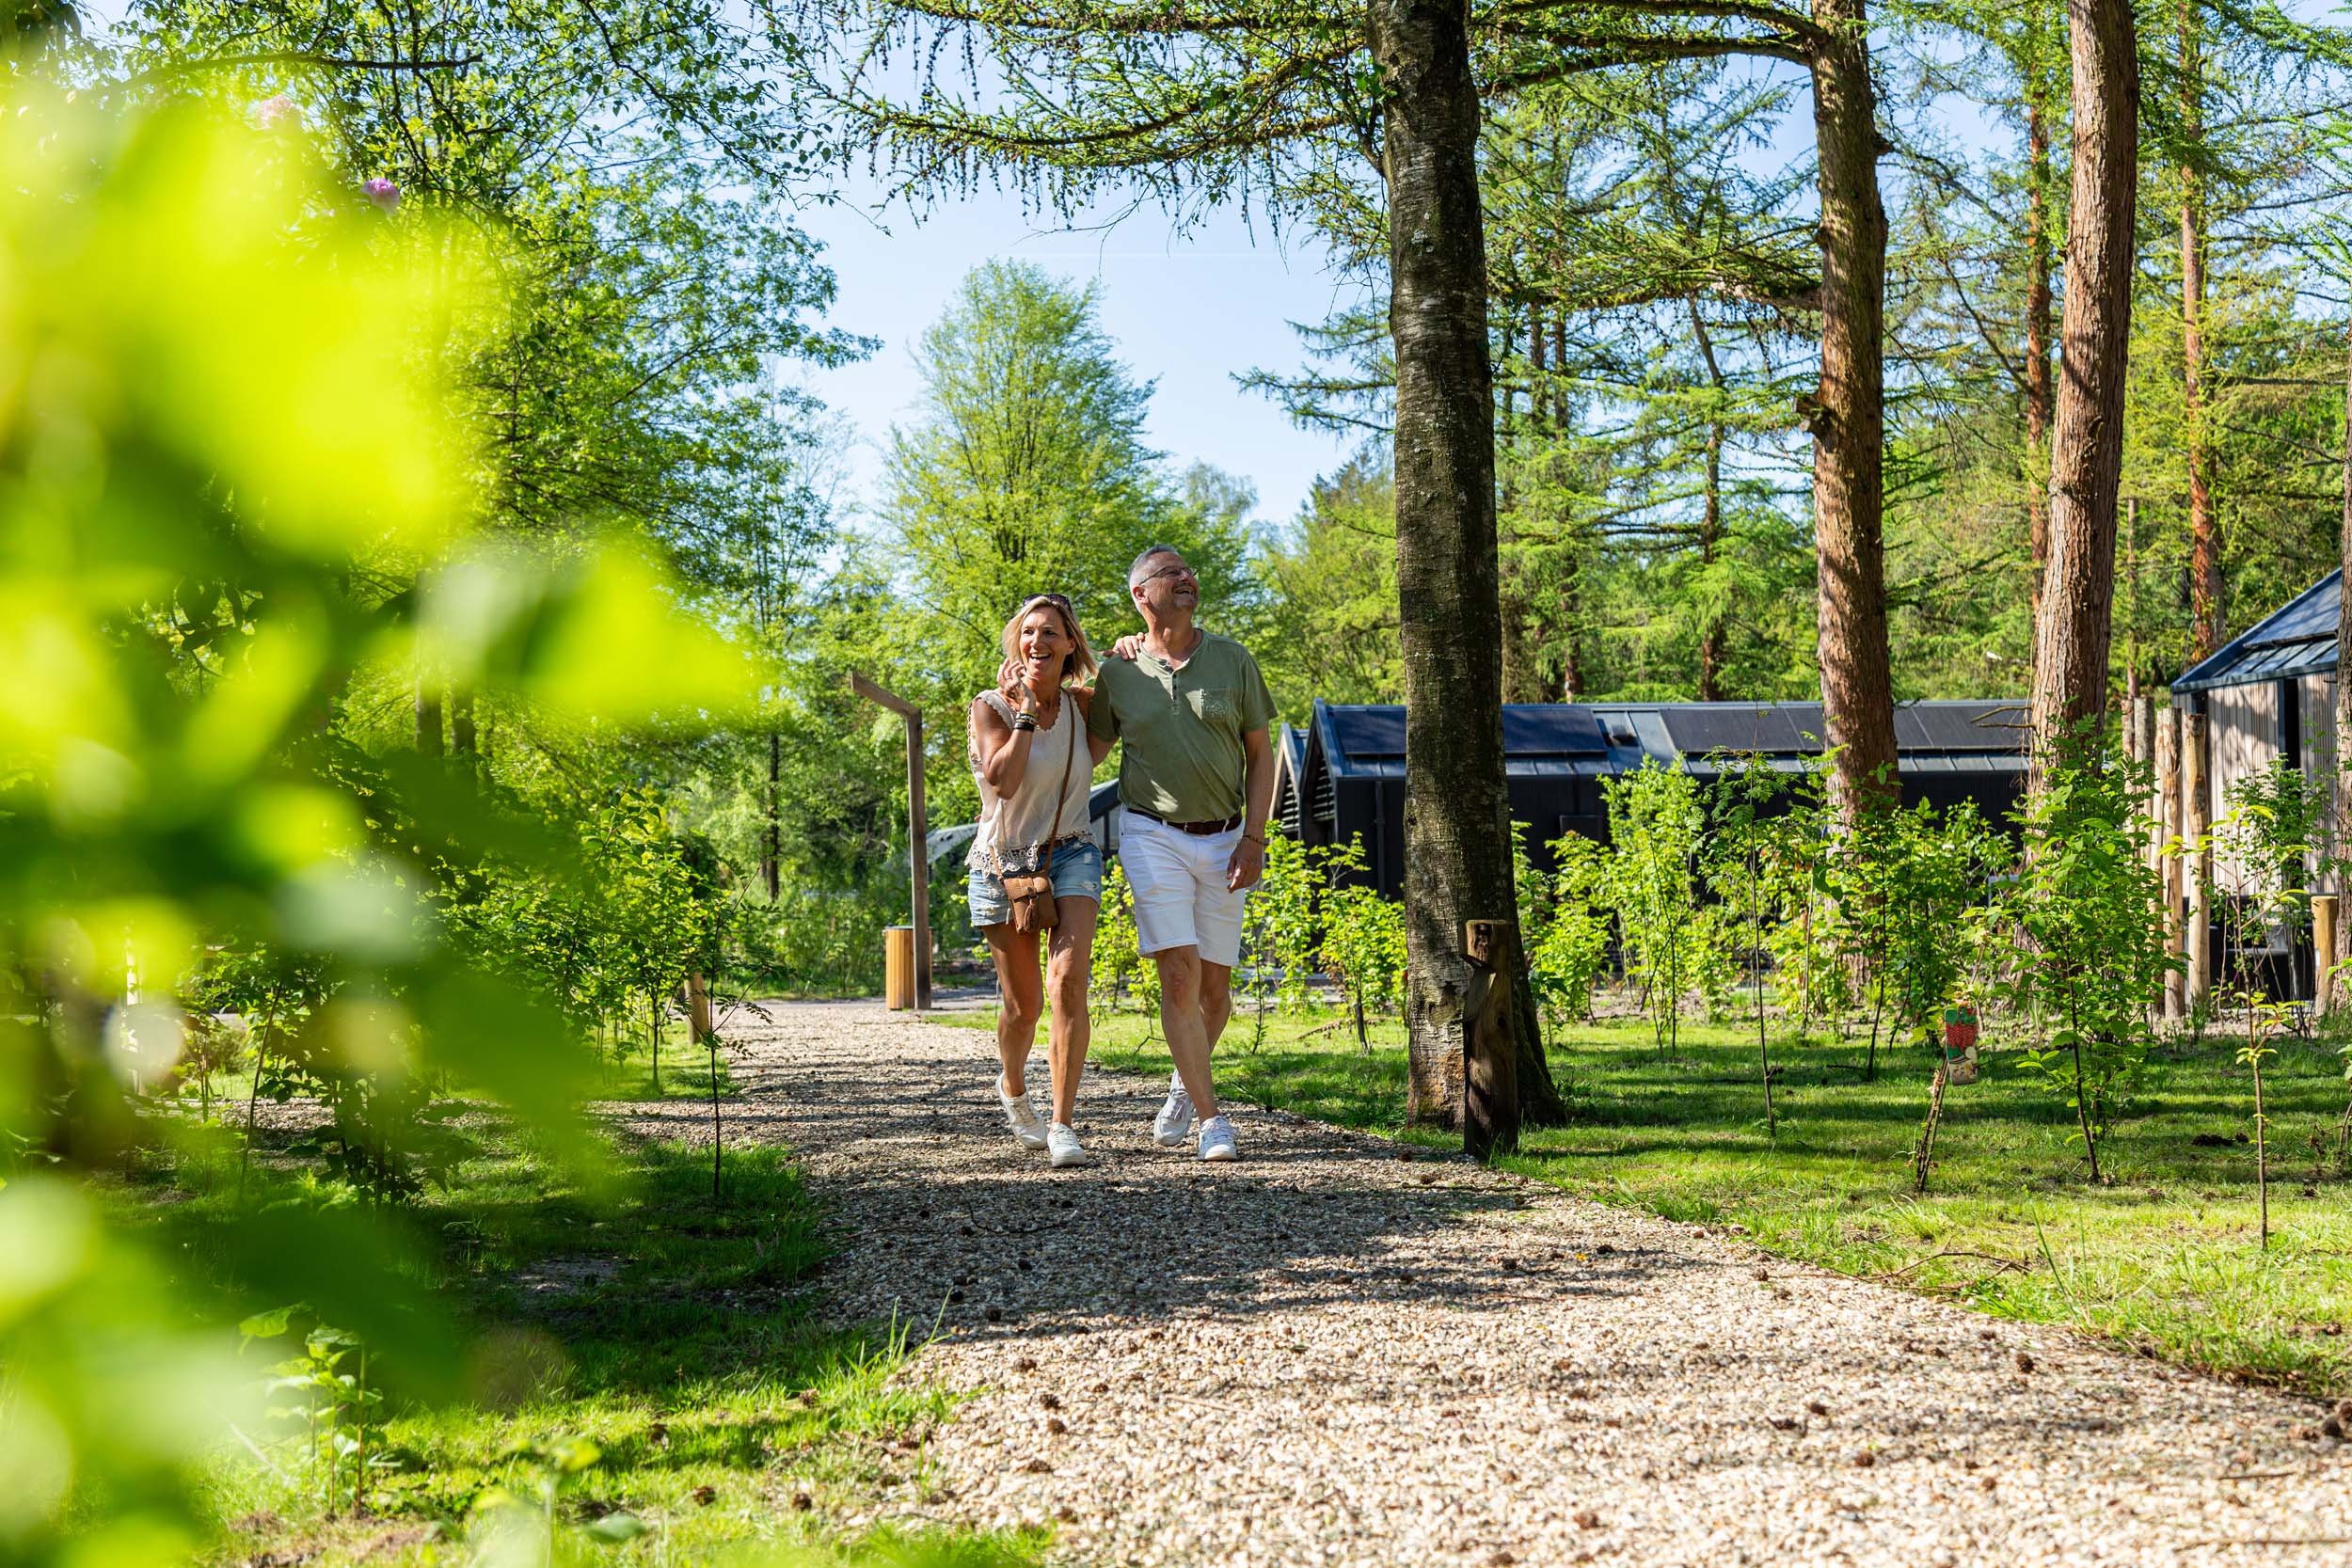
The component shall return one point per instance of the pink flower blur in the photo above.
(382, 192)
(274, 111)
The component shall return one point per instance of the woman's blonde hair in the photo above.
(1079, 660)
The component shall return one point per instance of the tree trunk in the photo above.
(428, 721)
(770, 863)
(2205, 531)
(463, 740)
(2038, 391)
(1457, 819)
(1847, 417)
(1710, 517)
(1571, 629)
(2070, 680)
(2343, 667)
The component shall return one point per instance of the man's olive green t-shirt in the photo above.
(1180, 730)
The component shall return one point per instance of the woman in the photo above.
(1033, 763)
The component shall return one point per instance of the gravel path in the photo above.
(1327, 1353)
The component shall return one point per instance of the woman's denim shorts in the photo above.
(1077, 873)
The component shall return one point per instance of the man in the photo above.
(1196, 783)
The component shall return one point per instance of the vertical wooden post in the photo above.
(918, 854)
(919, 868)
(2323, 949)
(2169, 865)
(2196, 869)
(1491, 1058)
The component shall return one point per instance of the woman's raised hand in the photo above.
(1128, 647)
(1013, 683)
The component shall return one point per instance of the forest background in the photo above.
(638, 175)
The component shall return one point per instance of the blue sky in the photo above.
(1189, 311)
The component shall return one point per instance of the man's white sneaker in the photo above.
(1062, 1145)
(1175, 1119)
(1217, 1139)
(1022, 1117)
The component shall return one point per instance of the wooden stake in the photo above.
(920, 867)
(2196, 822)
(2323, 949)
(1491, 1060)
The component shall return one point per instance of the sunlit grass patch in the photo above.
(644, 1370)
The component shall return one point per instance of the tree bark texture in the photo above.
(2078, 616)
(1710, 517)
(2344, 663)
(2204, 529)
(1457, 819)
(2196, 864)
(1848, 416)
(2038, 307)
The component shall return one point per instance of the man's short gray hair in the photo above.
(1135, 573)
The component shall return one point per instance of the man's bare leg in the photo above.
(1216, 1000)
(1182, 1020)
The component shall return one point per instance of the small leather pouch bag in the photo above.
(1032, 895)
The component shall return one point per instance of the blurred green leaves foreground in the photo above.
(232, 497)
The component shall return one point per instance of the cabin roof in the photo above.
(2298, 639)
(1601, 739)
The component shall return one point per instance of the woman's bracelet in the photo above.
(1248, 838)
(1024, 721)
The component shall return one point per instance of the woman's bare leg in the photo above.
(1067, 968)
(1020, 991)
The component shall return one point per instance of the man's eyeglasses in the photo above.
(1177, 571)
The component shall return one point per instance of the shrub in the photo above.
(2091, 912)
(1570, 944)
(1654, 828)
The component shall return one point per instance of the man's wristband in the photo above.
(1248, 838)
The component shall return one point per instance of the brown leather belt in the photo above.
(1200, 830)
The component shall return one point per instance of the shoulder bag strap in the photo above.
(1068, 712)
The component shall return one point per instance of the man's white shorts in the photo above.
(1179, 882)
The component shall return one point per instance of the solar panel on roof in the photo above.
(1551, 729)
(1967, 727)
(2310, 613)
(1698, 730)
(1365, 733)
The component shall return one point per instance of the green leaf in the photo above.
(613, 1528)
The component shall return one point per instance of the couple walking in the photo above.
(1195, 782)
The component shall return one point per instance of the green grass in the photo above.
(674, 1334)
(2161, 1255)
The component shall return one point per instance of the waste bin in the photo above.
(898, 967)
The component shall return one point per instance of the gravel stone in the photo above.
(1308, 1358)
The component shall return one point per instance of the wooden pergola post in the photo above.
(920, 863)
(2169, 865)
(2196, 822)
(2323, 949)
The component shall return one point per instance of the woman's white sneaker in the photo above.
(1022, 1117)
(1217, 1139)
(1175, 1119)
(1062, 1145)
